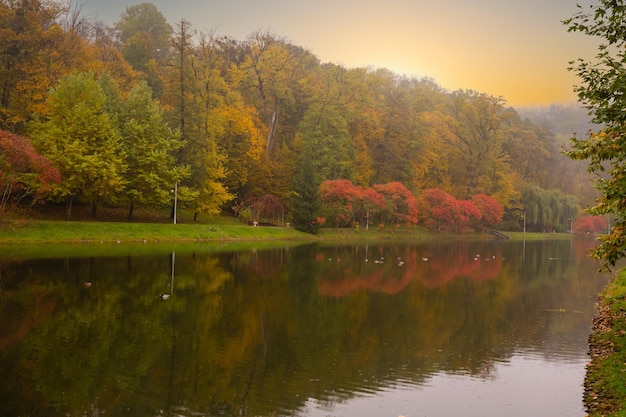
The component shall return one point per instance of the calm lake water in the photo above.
(389, 329)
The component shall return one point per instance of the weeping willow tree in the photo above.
(548, 210)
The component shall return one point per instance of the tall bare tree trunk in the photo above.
(273, 126)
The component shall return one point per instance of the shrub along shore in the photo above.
(605, 382)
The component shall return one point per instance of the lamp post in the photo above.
(571, 230)
(524, 216)
(175, 200)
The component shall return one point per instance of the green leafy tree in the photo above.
(79, 135)
(149, 146)
(601, 91)
(305, 198)
(326, 139)
(548, 209)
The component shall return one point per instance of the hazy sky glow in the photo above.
(515, 49)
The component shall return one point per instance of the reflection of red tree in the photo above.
(339, 278)
(14, 331)
(389, 277)
(476, 268)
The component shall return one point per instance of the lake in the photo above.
(479, 328)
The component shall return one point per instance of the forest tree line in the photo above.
(120, 115)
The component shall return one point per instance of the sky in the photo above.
(517, 50)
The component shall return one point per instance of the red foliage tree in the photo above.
(490, 209)
(438, 209)
(599, 224)
(589, 225)
(372, 206)
(339, 198)
(468, 214)
(23, 172)
(401, 203)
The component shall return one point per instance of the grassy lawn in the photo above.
(112, 227)
(50, 231)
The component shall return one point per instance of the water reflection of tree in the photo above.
(260, 333)
(390, 271)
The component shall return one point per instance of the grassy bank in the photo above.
(56, 231)
(33, 231)
(52, 231)
(605, 382)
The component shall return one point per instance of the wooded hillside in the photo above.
(127, 113)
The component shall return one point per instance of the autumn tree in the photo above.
(145, 36)
(394, 148)
(340, 198)
(274, 69)
(105, 45)
(478, 162)
(589, 225)
(205, 111)
(217, 109)
(34, 53)
(437, 209)
(23, 172)
(433, 169)
(401, 204)
(530, 147)
(80, 137)
(468, 214)
(372, 207)
(490, 209)
(601, 92)
(212, 195)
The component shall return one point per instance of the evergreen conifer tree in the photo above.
(305, 198)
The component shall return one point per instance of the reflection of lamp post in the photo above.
(175, 199)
